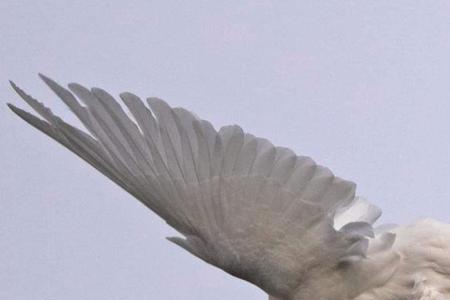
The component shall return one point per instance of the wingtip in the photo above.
(42, 76)
(97, 90)
(46, 79)
(127, 96)
(52, 84)
(14, 109)
(74, 85)
(77, 88)
(155, 102)
(177, 240)
(14, 86)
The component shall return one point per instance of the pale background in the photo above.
(361, 86)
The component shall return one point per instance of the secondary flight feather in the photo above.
(259, 212)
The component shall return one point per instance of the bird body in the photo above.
(422, 271)
(257, 211)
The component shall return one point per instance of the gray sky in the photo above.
(363, 87)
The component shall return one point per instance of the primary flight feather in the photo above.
(257, 211)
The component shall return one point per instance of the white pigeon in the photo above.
(257, 211)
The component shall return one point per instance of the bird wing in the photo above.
(257, 211)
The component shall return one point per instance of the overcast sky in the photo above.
(363, 87)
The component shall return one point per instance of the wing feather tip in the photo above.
(18, 111)
(14, 108)
(10, 105)
(15, 87)
(155, 101)
(45, 78)
(97, 90)
(75, 86)
(127, 95)
(52, 84)
(79, 90)
(27, 117)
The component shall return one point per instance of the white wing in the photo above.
(257, 211)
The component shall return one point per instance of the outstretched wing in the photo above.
(257, 211)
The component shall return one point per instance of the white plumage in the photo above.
(257, 211)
